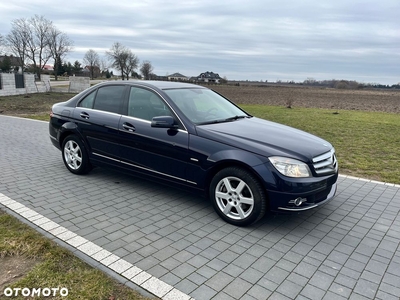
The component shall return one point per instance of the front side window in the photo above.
(146, 105)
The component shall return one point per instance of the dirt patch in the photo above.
(31, 104)
(13, 268)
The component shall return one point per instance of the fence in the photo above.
(17, 84)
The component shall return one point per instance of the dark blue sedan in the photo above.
(192, 136)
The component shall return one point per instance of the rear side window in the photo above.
(108, 98)
(87, 102)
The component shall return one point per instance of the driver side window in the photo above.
(146, 105)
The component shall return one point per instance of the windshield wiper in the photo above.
(234, 118)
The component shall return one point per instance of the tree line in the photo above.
(346, 84)
(33, 43)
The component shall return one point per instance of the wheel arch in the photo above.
(66, 130)
(223, 164)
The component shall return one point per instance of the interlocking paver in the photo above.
(237, 288)
(348, 249)
(187, 286)
(196, 277)
(204, 293)
(312, 292)
(258, 292)
(289, 289)
(219, 281)
(198, 261)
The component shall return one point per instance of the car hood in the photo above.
(266, 138)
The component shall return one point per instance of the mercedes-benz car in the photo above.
(191, 136)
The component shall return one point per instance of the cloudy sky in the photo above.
(241, 40)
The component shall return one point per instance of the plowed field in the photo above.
(367, 100)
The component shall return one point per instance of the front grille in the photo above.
(325, 163)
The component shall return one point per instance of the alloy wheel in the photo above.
(234, 198)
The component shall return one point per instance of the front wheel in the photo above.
(75, 156)
(237, 196)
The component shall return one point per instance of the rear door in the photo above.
(154, 151)
(98, 115)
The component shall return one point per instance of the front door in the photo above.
(154, 151)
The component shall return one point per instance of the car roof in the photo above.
(162, 85)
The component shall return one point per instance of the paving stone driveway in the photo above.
(348, 249)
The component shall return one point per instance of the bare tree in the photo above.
(38, 51)
(146, 69)
(28, 39)
(132, 62)
(59, 45)
(92, 60)
(310, 81)
(2, 44)
(104, 66)
(122, 59)
(17, 40)
(114, 55)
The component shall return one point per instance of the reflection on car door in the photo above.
(99, 116)
(147, 149)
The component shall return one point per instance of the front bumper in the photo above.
(309, 202)
(300, 194)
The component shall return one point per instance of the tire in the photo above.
(75, 156)
(237, 196)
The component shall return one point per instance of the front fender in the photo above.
(206, 157)
(242, 156)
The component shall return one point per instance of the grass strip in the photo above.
(56, 267)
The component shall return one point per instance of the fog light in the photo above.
(299, 201)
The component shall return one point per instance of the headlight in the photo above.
(290, 167)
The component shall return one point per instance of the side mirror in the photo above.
(163, 122)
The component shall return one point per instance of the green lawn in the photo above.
(367, 143)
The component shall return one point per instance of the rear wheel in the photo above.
(75, 156)
(237, 196)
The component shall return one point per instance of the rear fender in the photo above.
(67, 129)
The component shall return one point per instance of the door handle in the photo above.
(84, 115)
(129, 127)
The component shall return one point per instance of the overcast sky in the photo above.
(246, 39)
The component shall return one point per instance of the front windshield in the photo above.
(203, 106)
